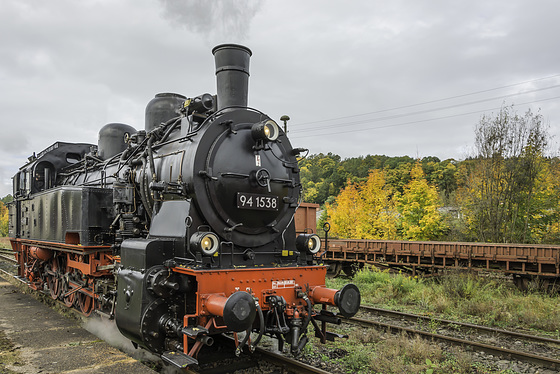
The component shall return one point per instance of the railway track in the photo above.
(276, 361)
(455, 324)
(416, 325)
(289, 364)
(7, 256)
(8, 264)
(447, 331)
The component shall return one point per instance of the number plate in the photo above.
(257, 201)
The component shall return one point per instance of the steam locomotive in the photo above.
(182, 230)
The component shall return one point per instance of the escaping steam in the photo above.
(221, 19)
(108, 331)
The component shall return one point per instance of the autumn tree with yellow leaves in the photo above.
(364, 210)
(343, 212)
(418, 206)
(376, 217)
(374, 210)
(3, 220)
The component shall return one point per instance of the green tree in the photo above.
(317, 174)
(501, 197)
(399, 176)
(545, 211)
(323, 176)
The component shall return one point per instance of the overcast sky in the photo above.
(356, 77)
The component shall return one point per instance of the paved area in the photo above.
(46, 342)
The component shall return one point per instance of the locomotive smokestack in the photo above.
(232, 74)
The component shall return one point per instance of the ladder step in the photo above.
(194, 331)
(178, 359)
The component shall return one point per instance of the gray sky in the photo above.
(356, 77)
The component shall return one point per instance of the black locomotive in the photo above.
(179, 231)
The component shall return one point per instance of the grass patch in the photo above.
(461, 296)
(370, 351)
(5, 243)
(456, 296)
(9, 356)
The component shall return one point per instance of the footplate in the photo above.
(178, 359)
(194, 331)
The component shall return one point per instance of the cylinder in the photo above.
(232, 74)
(42, 254)
(113, 139)
(162, 108)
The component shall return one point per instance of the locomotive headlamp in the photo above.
(206, 243)
(266, 130)
(310, 243)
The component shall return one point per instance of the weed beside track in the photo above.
(455, 296)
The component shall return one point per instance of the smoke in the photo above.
(229, 19)
(108, 331)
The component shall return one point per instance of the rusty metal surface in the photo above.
(527, 259)
(305, 218)
(429, 257)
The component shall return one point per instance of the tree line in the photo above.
(507, 192)
(4, 216)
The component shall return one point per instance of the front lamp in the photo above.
(206, 243)
(310, 243)
(266, 130)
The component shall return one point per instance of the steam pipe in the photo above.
(151, 156)
(296, 328)
(261, 328)
(309, 311)
(243, 342)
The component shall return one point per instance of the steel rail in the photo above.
(548, 362)
(8, 258)
(416, 317)
(288, 363)
(12, 279)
